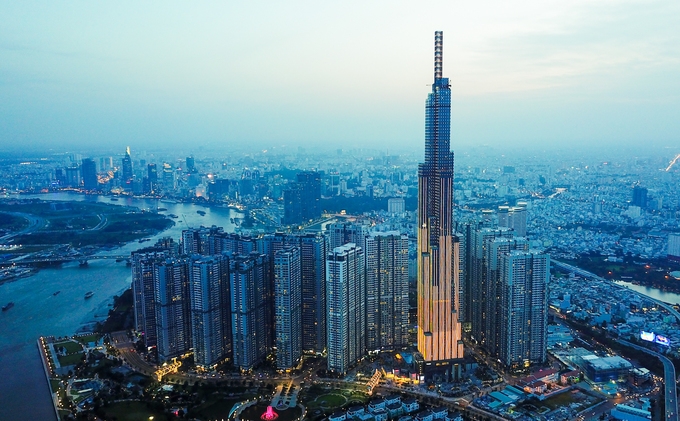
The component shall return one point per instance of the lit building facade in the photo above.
(345, 299)
(439, 329)
(386, 261)
(287, 307)
(524, 280)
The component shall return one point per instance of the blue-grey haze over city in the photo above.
(356, 211)
(530, 73)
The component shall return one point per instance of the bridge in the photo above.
(64, 259)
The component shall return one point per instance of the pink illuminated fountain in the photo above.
(269, 415)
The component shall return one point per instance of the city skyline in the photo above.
(216, 74)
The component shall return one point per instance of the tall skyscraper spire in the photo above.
(439, 329)
(438, 54)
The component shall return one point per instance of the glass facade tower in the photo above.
(439, 328)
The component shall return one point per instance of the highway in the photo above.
(670, 389)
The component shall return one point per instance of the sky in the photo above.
(529, 73)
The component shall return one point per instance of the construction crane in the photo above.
(185, 221)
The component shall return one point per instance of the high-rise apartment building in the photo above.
(341, 233)
(386, 264)
(144, 264)
(172, 306)
(250, 326)
(439, 328)
(514, 217)
(287, 307)
(523, 311)
(345, 300)
(210, 310)
(313, 253)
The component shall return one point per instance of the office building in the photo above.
(88, 169)
(673, 252)
(302, 199)
(287, 307)
(639, 197)
(152, 176)
(386, 265)
(126, 180)
(524, 280)
(439, 330)
(345, 301)
(396, 205)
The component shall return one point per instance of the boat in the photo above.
(162, 209)
(114, 199)
(172, 215)
(56, 293)
(8, 306)
(89, 295)
(200, 212)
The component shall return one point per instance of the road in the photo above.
(670, 389)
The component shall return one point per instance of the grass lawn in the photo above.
(329, 400)
(54, 383)
(217, 408)
(88, 338)
(563, 399)
(131, 411)
(71, 359)
(70, 346)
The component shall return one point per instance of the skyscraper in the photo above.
(210, 310)
(127, 169)
(302, 200)
(386, 256)
(173, 324)
(524, 308)
(287, 306)
(88, 169)
(345, 299)
(439, 328)
(250, 327)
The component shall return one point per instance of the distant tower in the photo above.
(439, 328)
(127, 169)
(88, 169)
(152, 175)
(639, 197)
(345, 300)
(287, 307)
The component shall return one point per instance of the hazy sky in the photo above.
(524, 72)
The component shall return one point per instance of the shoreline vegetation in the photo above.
(54, 232)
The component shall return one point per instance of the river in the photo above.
(657, 294)
(24, 393)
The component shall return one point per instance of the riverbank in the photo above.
(48, 375)
(38, 311)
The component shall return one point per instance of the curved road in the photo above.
(671, 395)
